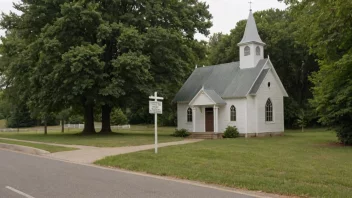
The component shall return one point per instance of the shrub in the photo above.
(76, 119)
(20, 117)
(118, 117)
(181, 133)
(231, 132)
(344, 133)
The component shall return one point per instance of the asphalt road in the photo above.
(30, 176)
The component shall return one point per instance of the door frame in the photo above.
(205, 118)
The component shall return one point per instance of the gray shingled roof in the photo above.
(259, 81)
(226, 80)
(214, 96)
(251, 32)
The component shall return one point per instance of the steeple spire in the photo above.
(251, 33)
(251, 46)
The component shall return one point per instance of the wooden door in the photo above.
(209, 120)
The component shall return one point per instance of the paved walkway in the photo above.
(90, 154)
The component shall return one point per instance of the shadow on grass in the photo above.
(112, 134)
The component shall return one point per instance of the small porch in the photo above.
(205, 111)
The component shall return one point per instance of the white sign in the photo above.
(155, 107)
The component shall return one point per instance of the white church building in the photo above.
(247, 94)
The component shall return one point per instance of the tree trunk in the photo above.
(62, 126)
(88, 119)
(105, 115)
(45, 127)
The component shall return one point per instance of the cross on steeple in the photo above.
(250, 5)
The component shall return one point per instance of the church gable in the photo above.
(207, 97)
(271, 85)
(268, 69)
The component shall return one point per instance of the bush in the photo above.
(76, 119)
(181, 133)
(344, 133)
(20, 117)
(118, 117)
(231, 132)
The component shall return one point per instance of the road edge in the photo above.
(23, 149)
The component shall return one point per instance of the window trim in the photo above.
(247, 51)
(233, 110)
(189, 115)
(269, 111)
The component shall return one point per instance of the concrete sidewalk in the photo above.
(90, 155)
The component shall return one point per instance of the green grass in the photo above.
(49, 148)
(308, 164)
(137, 135)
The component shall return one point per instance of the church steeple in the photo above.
(251, 45)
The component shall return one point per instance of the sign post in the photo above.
(156, 107)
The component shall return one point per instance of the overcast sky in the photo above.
(226, 13)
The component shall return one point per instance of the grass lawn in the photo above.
(49, 148)
(137, 135)
(308, 164)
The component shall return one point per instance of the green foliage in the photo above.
(20, 117)
(344, 133)
(64, 114)
(118, 117)
(325, 27)
(5, 106)
(76, 119)
(87, 54)
(302, 120)
(181, 133)
(231, 132)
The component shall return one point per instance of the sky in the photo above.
(226, 13)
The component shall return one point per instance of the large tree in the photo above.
(326, 27)
(90, 54)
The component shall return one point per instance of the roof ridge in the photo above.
(218, 65)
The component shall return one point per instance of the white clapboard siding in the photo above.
(275, 93)
(224, 115)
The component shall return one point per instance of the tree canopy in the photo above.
(89, 54)
(325, 26)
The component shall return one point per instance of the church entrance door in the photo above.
(209, 119)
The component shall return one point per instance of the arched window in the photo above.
(257, 50)
(247, 51)
(269, 111)
(233, 113)
(189, 115)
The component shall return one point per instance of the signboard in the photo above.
(155, 107)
